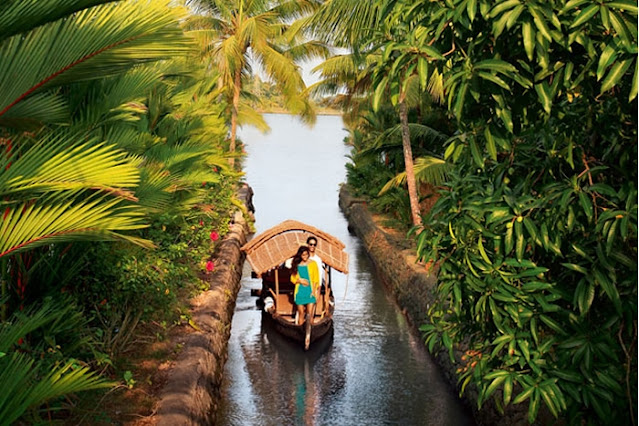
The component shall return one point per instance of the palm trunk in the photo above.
(408, 164)
(234, 107)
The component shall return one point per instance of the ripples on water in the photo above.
(373, 370)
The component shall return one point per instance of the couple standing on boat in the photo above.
(305, 274)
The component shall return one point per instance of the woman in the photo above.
(305, 276)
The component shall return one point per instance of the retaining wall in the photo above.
(192, 393)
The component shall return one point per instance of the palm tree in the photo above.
(400, 69)
(236, 32)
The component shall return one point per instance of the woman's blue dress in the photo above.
(304, 293)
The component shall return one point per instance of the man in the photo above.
(311, 242)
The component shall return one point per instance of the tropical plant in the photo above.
(61, 185)
(92, 151)
(237, 33)
(28, 375)
(535, 233)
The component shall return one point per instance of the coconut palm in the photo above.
(400, 70)
(236, 32)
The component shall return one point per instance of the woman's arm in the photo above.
(296, 279)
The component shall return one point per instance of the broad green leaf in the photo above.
(471, 8)
(503, 6)
(585, 15)
(508, 390)
(630, 6)
(611, 236)
(508, 240)
(586, 205)
(482, 251)
(490, 144)
(616, 73)
(550, 403)
(496, 65)
(575, 267)
(506, 118)
(524, 395)
(633, 89)
(532, 230)
(539, 21)
(493, 78)
(474, 150)
(554, 325)
(432, 52)
(520, 243)
(573, 4)
(607, 57)
(514, 15)
(543, 93)
(585, 294)
(528, 34)
(605, 17)
(609, 288)
(422, 70)
(622, 30)
(493, 386)
(449, 150)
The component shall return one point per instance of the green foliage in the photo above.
(35, 363)
(536, 232)
(106, 134)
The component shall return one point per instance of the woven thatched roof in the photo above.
(273, 246)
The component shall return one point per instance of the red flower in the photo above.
(210, 266)
(201, 222)
(203, 183)
(214, 236)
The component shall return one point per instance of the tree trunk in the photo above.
(236, 102)
(408, 164)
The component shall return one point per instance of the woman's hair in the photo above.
(297, 259)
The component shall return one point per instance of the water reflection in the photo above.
(373, 370)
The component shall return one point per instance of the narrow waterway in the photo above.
(373, 370)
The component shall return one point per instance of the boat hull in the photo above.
(320, 328)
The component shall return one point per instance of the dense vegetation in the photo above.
(118, 120)
(109, 132)
(118, 130)
(534, 234)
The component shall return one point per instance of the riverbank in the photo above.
(412, 287)
(177, 378)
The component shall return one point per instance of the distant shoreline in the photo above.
(320, 111)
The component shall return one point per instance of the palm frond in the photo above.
(93, 43)
(345, 22)
(249, 116)
(41, 108)
(24, 15)
(61, 162)
(427, 169)
(47, 220)
(23, 390)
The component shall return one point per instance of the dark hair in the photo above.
(308, 240)
(297, 259)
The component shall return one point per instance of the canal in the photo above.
(374, 370)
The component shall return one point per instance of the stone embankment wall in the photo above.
(192, 393)
(412, 287)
